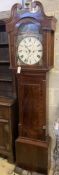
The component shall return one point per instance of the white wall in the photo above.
(6, 5)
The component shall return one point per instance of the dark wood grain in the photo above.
(7, 80)
(33, 143)
(33, 155)
(32, 110)
(8, 127)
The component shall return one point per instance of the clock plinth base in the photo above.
(33, 155)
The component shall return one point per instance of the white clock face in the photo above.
(29, 50)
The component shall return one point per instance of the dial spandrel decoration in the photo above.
(29, 50)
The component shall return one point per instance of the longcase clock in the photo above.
(31, 45)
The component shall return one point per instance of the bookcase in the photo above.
(8, 102)
(7, 87)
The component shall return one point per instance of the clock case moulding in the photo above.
(33, 146)
(45, 24)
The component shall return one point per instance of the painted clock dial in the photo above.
(30, 50)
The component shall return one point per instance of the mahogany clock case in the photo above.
(26, 23)
(33, 143)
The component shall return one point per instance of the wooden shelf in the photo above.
(2, 45)
(6, 79)
(4, 62)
